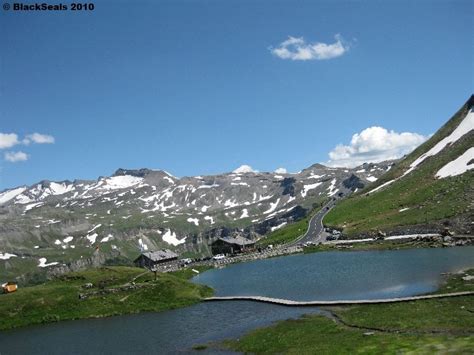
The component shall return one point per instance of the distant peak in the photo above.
(318, 166)
(244, 169)
(132, 172)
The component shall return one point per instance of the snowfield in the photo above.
(464, 127)
(60, 189)
(119, 182)
(458, 166)
(10, 194)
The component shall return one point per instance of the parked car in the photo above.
(218, 257)
(187, 261)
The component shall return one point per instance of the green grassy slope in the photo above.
(110, 295)
(430, 200)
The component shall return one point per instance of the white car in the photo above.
(218, 257)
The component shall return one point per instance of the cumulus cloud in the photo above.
(8, 140)
(244, 169)
(298, 49)
(38, 138)
(280, 171)
(16, 156)
(372, 145)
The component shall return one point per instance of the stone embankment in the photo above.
(264, 254)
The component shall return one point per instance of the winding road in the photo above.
(315, 230)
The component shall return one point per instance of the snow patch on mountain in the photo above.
(273, 206)
(245, 213)
(60, 188)
(193, 220)
(92, 237)
(68, 239)
(119, 182)
(94, 228)
(6, 256)
(332, 188)
(42, 263)
(458, 166)
(306, 188)
(209, 218)
(278, 226)
(10, 194)
(464, 127)
(381, 186)
(170, 238)
(33, 205)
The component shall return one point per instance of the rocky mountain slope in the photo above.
(53, 223)
(429, 190)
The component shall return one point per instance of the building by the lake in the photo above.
(232, 245)
(152, 259)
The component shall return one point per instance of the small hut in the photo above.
(9, 287)
(151, 259)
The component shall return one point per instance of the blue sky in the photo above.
(202, 87)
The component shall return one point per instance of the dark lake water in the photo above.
(331, 275)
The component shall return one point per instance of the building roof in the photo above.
(159, 255)
(237, 240)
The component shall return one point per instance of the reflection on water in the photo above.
(331, 275)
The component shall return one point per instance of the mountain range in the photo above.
(136, 210)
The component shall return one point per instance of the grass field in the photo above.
(419, 327)
(285, 235)
(111, 294)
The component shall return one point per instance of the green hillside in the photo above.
(417, 198)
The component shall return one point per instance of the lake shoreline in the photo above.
(364, 327)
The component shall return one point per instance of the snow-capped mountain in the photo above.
(135, 210)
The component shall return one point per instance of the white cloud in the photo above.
(374, 144)
(280, 171)
(8, 140)
(244, 169)
(297, 49)
(38, 138)
(15, 156)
